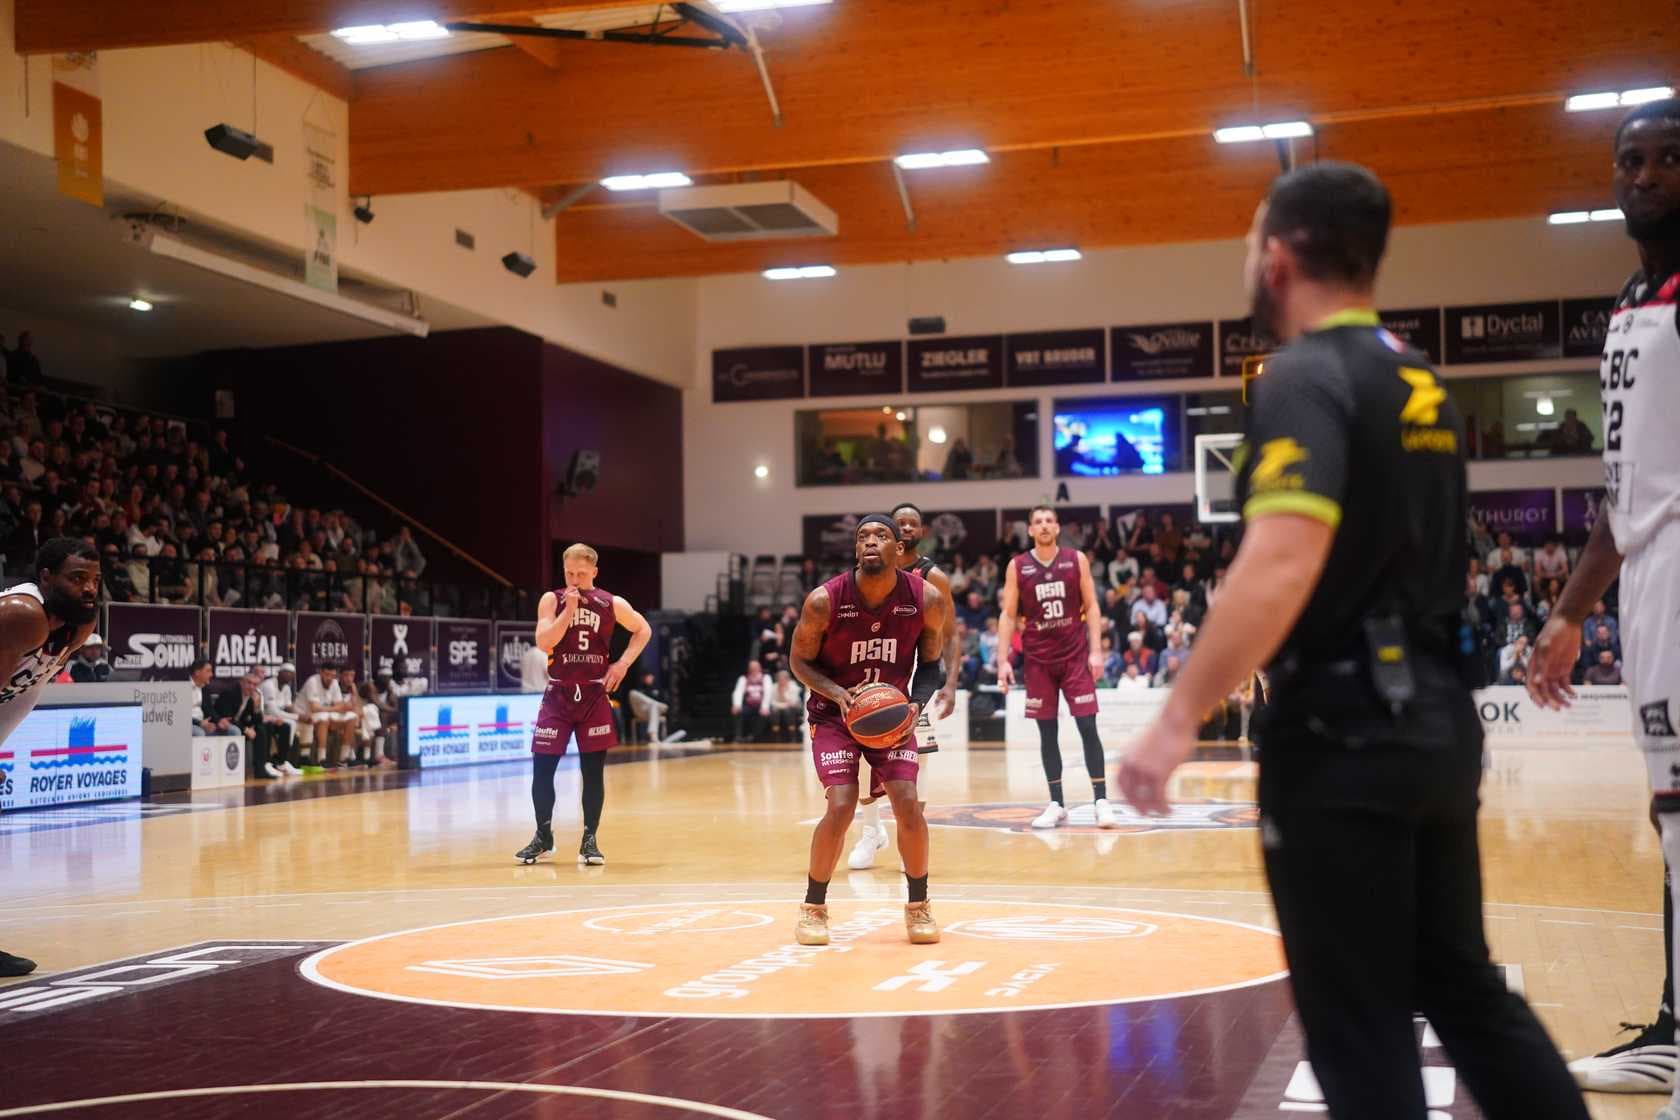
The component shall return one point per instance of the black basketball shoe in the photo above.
(15, 966)
(589, 853)
(541, 844)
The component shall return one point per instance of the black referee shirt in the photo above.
(1349, 426)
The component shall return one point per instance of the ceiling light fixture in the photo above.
(805, 272)
(1544, 406)
(761, 472)
(733, 6)
(1248, 133)
(375, 34)
(1608, 215)
(937, 434)
(1578, 217)
(138, 304)
(1609, 99)
(1044, 256)
(656, 180)
(957, 157)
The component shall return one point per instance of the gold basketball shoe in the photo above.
(813, 925)
(918, 920)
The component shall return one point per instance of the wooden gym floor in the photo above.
(367, 944)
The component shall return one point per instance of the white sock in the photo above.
(1669, 825)
(872, 814)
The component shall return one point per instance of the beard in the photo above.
(1664, 227)
(873, 565)
(70, 607)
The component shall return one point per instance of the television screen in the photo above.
(1102, 437)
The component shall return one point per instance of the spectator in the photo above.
(988, 650)
(533, 669)
(1478, 578)
(1132, 679)
(1138, 654)
(1113, 664)
(23, 368)
(1572, 437)
(972, 612)
(648, 706)
(1169, 539)
(1604, 671)
(750, 703)
(1149, 606)
(89, 665)
(1493, 441)
(985, 578)
(1513, 656)
(1506, 552)
(1601, 616)
(1516, 625)
(787, 702)
(242, 711)
(407, 553)
(27, 538)
(1171, 665)
(204, 721)
(281, 718)
(768, 640)
(1551, 562)
(1595, 644)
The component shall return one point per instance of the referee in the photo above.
(1348, 585)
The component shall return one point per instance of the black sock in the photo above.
(817, 893)
(1093, 755)
(1051, 755)
(592, 768)
(918, 887)
(1667, 1007)
(543, 767)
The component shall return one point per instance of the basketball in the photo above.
(880, 716)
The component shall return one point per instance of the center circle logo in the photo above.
(738, 960)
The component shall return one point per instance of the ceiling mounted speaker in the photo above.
(238, 143)
(928, 324)
(520, 264)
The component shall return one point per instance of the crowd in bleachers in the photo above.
(1510, 592)
(177, 514)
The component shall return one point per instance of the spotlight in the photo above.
(239, 144)
(520, 264)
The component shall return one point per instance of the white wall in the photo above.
(727, 508)
(157, 104)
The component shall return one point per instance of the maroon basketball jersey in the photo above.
(862, 646)
(580, 657)
(1051, 602)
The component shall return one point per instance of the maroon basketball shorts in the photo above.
(1070, 677)
(837, 755)
(558, 720)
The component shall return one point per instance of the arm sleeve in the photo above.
(740, 691)
(1297, 446)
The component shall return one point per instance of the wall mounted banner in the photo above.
(1580, 510)
(512, 640)
(966, 531)
(1239, 339)
(156, 641)
(1585, 323)
(339, 639)
(1417, 327)
(940, 365)
(830, 536)
(320, 173)
(409, 640)
(1054, 358)
(1158, 351)
(1528, 515)
(759, 373)
(466, 662)
(79, 128)
(242, 640)
(1502, 332)
(844, 369)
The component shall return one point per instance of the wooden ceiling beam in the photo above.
(286, 53)
(62, 26)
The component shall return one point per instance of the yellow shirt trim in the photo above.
(1315, 506)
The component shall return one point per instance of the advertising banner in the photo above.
(79, 128)
(1580, 511)
(1240, 339)
(393, 638)
(1597, 717)
(242, 640)
(1157, 351)
(469, 729)
(58, 756)
(966, 531)
(156, 641)
(940, 365)
(1528, 515)
(465, 660)
(338, 639)
(1417, 327)
(512, 640)
(1586, 322)
(1055, 358)
(848, 369)
(759, 373)
(1502, 332)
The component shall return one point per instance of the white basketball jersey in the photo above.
(1639, 383)
(23, 683)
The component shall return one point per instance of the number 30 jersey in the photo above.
(1639, 384)
(1053, 605)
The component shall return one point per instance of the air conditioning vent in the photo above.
(749, 211)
